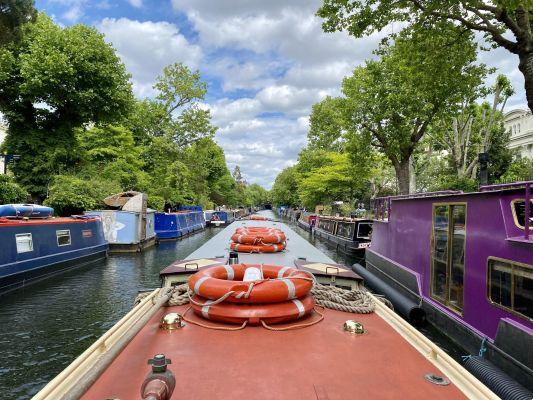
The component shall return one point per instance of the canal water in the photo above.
(46, 326)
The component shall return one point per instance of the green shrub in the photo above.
(11, 192)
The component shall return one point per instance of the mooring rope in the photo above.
(353, 301)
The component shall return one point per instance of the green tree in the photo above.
(492, 18)
(52, 81)
(391, 102)
(13, 15)
(334, 181)
(285, 188)
(327, 125)
(11, 192)
(521, 169)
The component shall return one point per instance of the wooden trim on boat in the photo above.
(66, 381)
(458, 375)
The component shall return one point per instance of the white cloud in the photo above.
(136, 3)
(147, 47)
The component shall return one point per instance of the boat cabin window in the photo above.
(448, 254)
(24, 242)
(346, 229)
(364, 230)
(327, 225)
(519, 213)
(63, 237)
(510, 286)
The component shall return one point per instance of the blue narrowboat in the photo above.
(171, 226)
(33, 249)
(221, 218)
(127, 231)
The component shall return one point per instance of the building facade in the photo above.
(520, 124)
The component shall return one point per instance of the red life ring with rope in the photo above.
(225, 283)
(254, 237)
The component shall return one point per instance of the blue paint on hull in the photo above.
(171, 226)
(47, 256)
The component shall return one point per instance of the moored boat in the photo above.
(349, 235)
(35, 248)
(307, 221)
(130, 228)
(175, 225)
(220, 218)
(336, 353)
(467, 258)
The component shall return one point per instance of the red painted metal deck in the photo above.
(320, 362)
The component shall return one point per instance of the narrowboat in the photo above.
(221, 218)
(169, 348)
(130, 228)
(172, 226)
(127, 231)
(349, 235)
(467, 258)
(307, 221)
(36, 248)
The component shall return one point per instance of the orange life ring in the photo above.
(279, 283)
(259, 218)
(246, 237)
(258, 248)
(272, 313)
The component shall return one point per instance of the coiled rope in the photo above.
(352, 301)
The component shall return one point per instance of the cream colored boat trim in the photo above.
(459, 376)
(66, 380)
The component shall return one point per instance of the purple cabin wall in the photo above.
(406, 240)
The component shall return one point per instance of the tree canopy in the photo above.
(493, 18)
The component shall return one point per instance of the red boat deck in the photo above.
(320, 362)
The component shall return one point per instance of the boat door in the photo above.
(448, 254)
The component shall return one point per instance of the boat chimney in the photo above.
(233, 258)
(483, 159)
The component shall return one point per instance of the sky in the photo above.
(266, 63)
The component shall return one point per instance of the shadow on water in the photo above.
(429, 331)
(47, 325)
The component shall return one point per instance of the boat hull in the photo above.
(35, 249)
(456, 330)
(346, 246)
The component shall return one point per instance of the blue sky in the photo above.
(266, 63)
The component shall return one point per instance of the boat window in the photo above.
(364, 230)
(519, 212)
(448, 254)
(510, 286)
(346, 229)
(327, 225)
(63, 237)
(24, 242)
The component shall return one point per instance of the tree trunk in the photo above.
(412, 175)
(402, 174)
(526, 67)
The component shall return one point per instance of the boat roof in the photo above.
(46, 221)
(297, 246)
(319, 362)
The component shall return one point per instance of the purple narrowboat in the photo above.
(466, 259)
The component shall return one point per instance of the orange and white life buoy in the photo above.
(272, 313)
(254, 237)
(256, 217)
(257, 248)
(226, 282)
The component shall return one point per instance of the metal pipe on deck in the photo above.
(405, 306)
